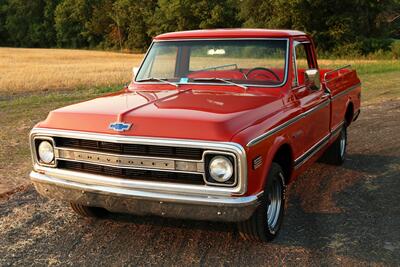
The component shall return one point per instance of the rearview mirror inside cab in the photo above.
(312, 79)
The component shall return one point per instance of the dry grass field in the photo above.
(28, 70)
(53, 69)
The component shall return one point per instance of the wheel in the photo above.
(265, 223)
(336, 153)
(86, 211)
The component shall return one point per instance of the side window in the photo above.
(301, 63)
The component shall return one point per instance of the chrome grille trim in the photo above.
(239, 188)
(130, 149)
(123, 161)
(257, 162)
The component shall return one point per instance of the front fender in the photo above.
(267, 149)
(270, 153)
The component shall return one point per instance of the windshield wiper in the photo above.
(222, 80)
(163, 80)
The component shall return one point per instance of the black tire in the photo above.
(86, 211)
(257, 226)
(336, 153)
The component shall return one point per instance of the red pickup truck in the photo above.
(214, 125)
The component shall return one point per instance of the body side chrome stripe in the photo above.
(346, 91)
(286, 124)
(312, 151)
(315, 148)
(337, 128)
(278, 128)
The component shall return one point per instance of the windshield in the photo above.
(249, 62)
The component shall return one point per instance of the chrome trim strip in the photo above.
(123, 155)
(315, 148)
(124, 192)
(311, 152)
(257, 162)
(114, 160)
(120, 160)
(278, 128)
(286, 124)
(219, 39)
(294, 62)
(235, 177)
(35, 157)
(335, 70)
(131, 184)
(234, 148)
(346, 91)
(337, 128)
(146, 163)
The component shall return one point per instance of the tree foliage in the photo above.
(27, 23)
(179, 15)
(359, 26)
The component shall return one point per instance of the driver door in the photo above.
(314, 102)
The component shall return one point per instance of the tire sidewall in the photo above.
(343, 134)
(276, 174)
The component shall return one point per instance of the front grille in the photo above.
(146, 175)
(131, 149)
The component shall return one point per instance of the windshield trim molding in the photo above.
(219, 39)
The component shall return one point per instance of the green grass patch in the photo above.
(363, 66)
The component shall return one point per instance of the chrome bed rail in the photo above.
(335, 70)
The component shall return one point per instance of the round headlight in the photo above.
(46, 152)
(221, 169)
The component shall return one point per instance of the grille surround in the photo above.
(84, 152)
(236, 149)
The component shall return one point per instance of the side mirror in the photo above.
(135, 71)
(312, 79)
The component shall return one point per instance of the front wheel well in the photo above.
(283, 157)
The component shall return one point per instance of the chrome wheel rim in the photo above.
(274, 207)
(342, 144)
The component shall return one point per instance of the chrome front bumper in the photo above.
(142, 202)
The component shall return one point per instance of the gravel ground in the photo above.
(346, 215)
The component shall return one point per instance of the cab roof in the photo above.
(229, 33)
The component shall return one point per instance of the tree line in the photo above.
(337, 26)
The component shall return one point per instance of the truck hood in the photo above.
(187, 114)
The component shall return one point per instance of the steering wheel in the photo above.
(263, 69)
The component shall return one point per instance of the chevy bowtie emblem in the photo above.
(120, 126)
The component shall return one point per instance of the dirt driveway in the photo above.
(336, 216)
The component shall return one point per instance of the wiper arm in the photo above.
(222, 80)
(163, 80)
